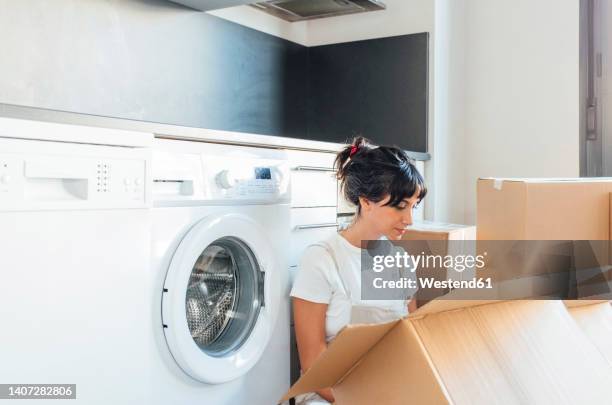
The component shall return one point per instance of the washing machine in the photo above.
(74, 257)
(220, 294)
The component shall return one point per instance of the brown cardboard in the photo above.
(408, 366)
(543, 209)
(427, 230)
(465, 353)
(595, 319)
(342, 354)
(551, 210)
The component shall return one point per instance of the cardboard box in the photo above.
(428, 230)
(441, 239)
(553, 210)
(544, 209)
(464, 352)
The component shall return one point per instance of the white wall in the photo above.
(522, 84)
(446, 170)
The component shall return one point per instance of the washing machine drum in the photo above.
(219, 299)
(224, 296)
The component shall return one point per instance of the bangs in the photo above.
(405, 185)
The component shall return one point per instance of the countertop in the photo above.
(160, 130)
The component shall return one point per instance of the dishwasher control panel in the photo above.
(43, 175)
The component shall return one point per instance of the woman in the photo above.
(385, 187)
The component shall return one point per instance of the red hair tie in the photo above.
(353, 150)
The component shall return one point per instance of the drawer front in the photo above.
(313, 180)
(308, 226)
(313, 189)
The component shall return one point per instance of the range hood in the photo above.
(207, 5)
(300, 10)
(292, 10)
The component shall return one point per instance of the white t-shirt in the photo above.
(318, 281)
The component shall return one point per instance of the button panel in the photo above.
(63, 182)
(9, 168)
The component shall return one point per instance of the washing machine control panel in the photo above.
(248, 179)
(202, 173)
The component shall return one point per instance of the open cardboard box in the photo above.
(464, 352)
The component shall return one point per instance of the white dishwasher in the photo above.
(74, 259)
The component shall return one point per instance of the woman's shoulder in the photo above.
(333, 245)
(315, 273)
(320, 250)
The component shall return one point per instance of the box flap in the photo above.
(407, 374)
(342, 354)
(425, 235)
(582, 303)
(443, 305)
(549, 179)
(432, 226)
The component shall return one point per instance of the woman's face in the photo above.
(388, 220)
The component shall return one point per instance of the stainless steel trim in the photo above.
(313, 169)
(314, 226)
(312, 206)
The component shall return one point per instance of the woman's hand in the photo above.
(412, 305)
(309, 320)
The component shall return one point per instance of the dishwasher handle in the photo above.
(313, 169)
(315, 226)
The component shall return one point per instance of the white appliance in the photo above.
(220, 308)
(74, 256)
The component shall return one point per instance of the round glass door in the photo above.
(224, 296)
(220, 298)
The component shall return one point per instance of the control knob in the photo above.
(225, 179)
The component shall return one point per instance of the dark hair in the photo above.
(374, 172)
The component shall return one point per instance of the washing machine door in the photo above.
(220, 298)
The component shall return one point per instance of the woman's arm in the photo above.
(309, 319)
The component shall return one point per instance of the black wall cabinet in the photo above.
(377, 88)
